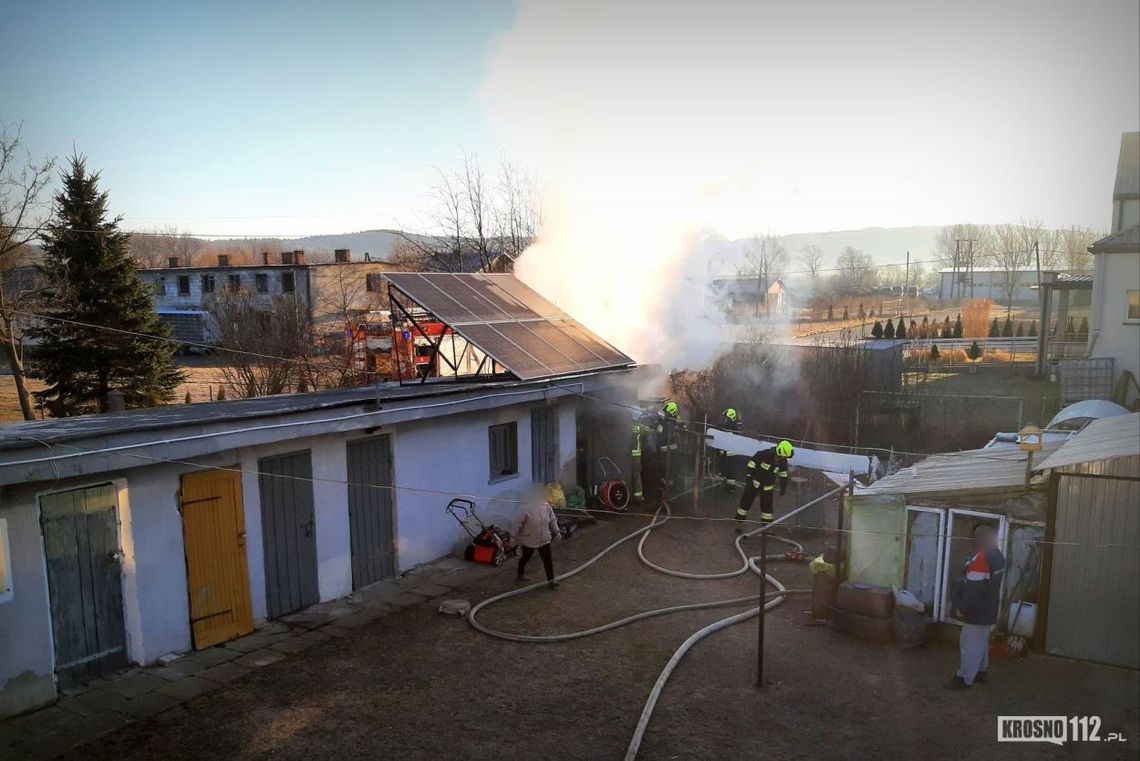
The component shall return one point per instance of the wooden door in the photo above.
(288, 527)
(81, 546)
(371, 511)
(217, 576)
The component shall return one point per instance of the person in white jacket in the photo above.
(538, 527)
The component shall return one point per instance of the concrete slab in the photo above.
(310, 619)
(213, 656)
(10, 734)
(189, 687)
(337, 609)
(293, 645)
(404, 599)
(357, 620)
(431, 589)
(332, 630)
(147, 705)
(255, 641)
(273, 627)
(260, 658)
(315, 637)
(93, 702)
(51, 745)
(176, 670)
(225, 672)
(45, 721)
(137, 684)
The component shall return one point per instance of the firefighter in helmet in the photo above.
(762, 472)
(729, 464)
(639, 439)
(668, 426)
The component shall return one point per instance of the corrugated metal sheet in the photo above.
(1094, 611)
(1126, 241)
(960, 472)
(1104, 439)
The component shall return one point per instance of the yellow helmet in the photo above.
(784, 449)
(671, 409)
(730, 414)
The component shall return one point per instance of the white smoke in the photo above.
(637, 136)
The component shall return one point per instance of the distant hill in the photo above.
(886, 245)
(377, 243)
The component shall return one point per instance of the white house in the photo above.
(1115, 320)
(988, 283)
(127, 536)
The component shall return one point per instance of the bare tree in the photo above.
(156, 247)
(1010, 257)
(520, 209)
(23, 215)
(267, 349)
(962, 248)
(764, 258)
(855, 271)
(811, 257)
(1075, 241)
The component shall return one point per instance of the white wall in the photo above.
(1115, 336)
(26, 661)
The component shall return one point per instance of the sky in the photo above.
(248, 118)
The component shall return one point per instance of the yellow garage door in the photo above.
(213, 528)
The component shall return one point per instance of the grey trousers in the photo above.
(974, 650)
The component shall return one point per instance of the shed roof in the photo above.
(1104, 439)
(975, 470)
(1126, 241)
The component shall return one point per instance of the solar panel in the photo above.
(517, 327)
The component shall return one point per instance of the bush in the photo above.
(975, 317)
(1071, 331)
(900, 331)
(957, 327)
(889, 330)
(830, 316)
(221, 397)
(1007, 328)
(189, 400)
(877, 330)
(947, 329)
(1020, 332)
(1033, 329)
(975, 351)
(995, 330)
(1083, 331)
(934, 353)
(845, 317)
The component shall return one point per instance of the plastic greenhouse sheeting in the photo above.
(876, 544)
(815, 459)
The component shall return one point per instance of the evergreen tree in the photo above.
(900, 331)
(947, 329)
(889, 331)
(845, 317)
(1007, 328)
(1020, 333)
(862, 311)
(995, 329)
(1033, 328)
(912, 331)
(877, 330)
(1083, 331)
(1070, 331)
(221, 397)
(829, 315)
(188, 399)
(957, 327)
(934, 353)
(975, 351)
(92, 279)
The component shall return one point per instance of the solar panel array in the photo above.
(510, 322)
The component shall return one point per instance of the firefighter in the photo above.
(637, 492)
(762, 471)
(729, 464)
(668, 426)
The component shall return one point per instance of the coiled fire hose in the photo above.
(748, 563)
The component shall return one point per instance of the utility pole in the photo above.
(906, 283)
(954, 277)
(970, 263)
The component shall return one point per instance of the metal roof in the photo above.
(975, 470)
(1126, 241)
(510, 322)
(1089, 409)
(1128, 167)
(1104, 439)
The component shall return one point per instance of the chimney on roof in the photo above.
(367, 256)
(223, 260)
(265, 257)
(298, 256)
(172, 262)
(342, 255)
(286, 257)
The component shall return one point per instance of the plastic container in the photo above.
(1022, 624)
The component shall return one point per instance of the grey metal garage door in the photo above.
(288, 527)
(544, 444)
(1094, 611)
(371, 510)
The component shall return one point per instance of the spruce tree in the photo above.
(975, 351)
(1033, 328)
(829, 313)
(957, 327)
(889, 330)
(995, 330)
(947, 329)
(846, 314)
(1083, 331)
(1070, 332)
(934, 353)
(1020, 333)
(1007, 328)
(93, 283)
(900, 331)
(877, 329)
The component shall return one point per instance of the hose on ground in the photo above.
(748, 563)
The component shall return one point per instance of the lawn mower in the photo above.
(489, 544)
(612, 492)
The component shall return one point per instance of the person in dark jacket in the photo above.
(977, 601)
(761, 474)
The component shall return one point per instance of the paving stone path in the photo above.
(109, 703)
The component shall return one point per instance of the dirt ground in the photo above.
(418, 685)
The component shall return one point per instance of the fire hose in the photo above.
(748, 563)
